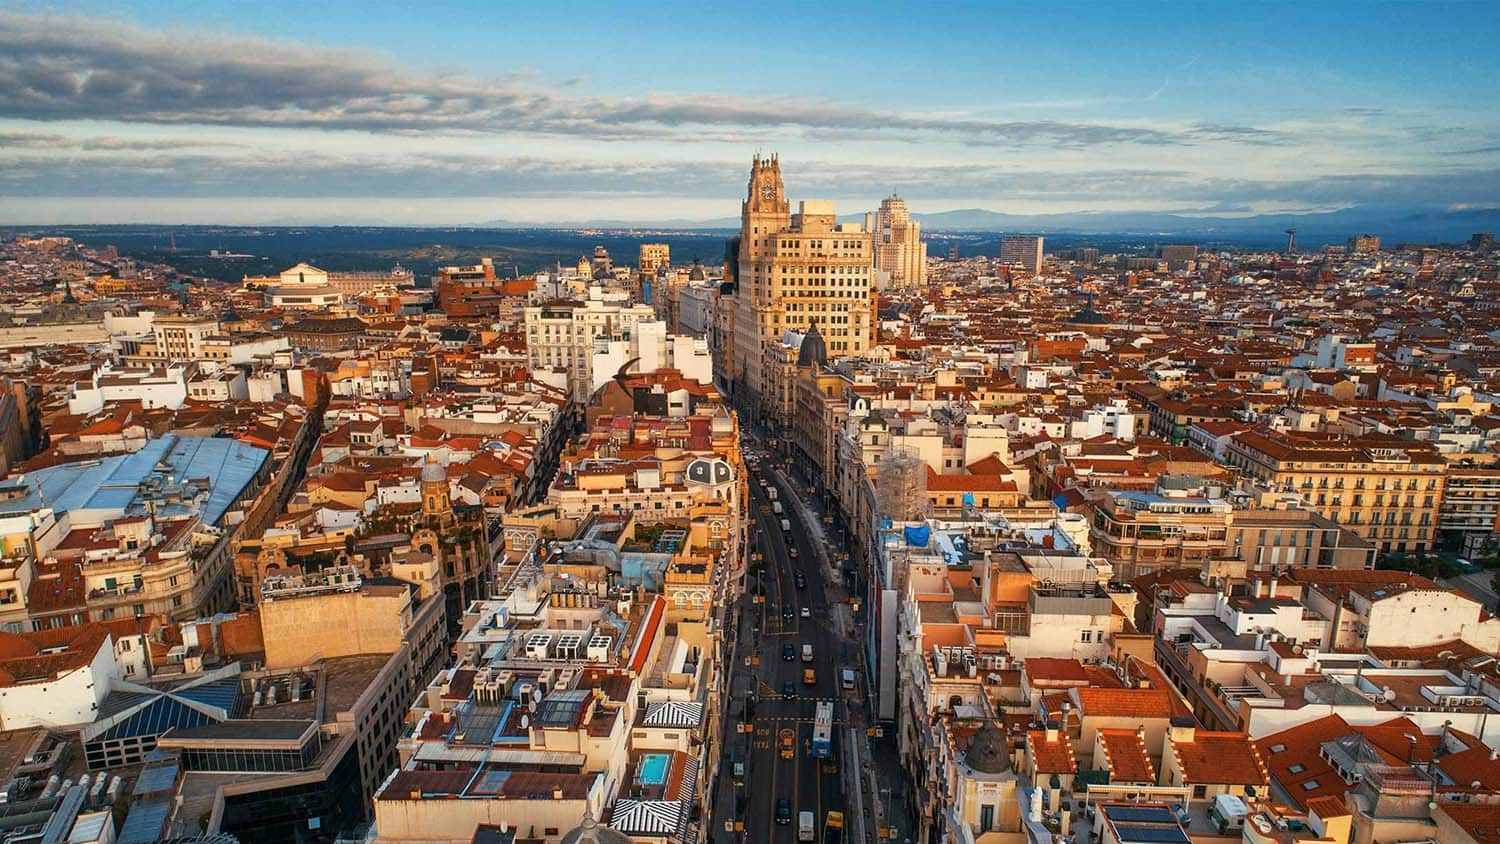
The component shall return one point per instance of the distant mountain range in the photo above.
(1392, 224)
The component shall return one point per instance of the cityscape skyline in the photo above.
(139, 113)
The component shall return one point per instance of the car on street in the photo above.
(809, 677)
(801, 580)
(789, 689)
(788, 744)
(806, 612)
(787, 612)
(788, 653)
(783, 811)
(792, 552)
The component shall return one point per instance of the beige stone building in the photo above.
(794, 271)
(1390, 493)
(654, 257)
(900, 254)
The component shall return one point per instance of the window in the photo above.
(1310, 785)
(1277, 748)
(1087, 636)
(1297, 768)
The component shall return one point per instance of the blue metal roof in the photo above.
(145, 822)
(156, 718)
(156, 779)
(223, 694)
(110, 486)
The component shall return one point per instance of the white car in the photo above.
(806, 613)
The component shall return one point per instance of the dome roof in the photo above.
(590, 832)
(989, 752)
(433, 472)
(813, 352)
(697, 273)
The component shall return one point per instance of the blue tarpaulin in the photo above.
(917, 535)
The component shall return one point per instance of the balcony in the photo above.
(116, 592)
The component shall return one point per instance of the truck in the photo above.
(833, 828)
(786, 526)
(807, 653)
(805, 829)
(776, 507)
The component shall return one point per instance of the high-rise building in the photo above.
(1364, 243)
(1177, 255)
(1025, 250)
(794, 271)
(654, 257)
(900, 254)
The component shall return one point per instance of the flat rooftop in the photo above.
(110, 486)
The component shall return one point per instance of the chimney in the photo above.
(557, 792)
(1183, 729)
(1272, 592)
(1051, 731)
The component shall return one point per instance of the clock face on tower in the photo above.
(768, 191)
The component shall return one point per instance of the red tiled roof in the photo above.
(1480, 820)
(1125, 754)
(1220, 758)
(1051, 757)
(1124, 703)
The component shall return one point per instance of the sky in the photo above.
(467, 113)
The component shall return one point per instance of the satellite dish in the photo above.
(525, 721)
(1389, 694)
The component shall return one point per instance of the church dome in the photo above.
(813, 351)
(433, 472)
(989, 751)
(590, 832)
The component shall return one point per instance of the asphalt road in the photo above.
(810, 783)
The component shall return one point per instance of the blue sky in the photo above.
(467, 112)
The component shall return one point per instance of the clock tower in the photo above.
(764, 214)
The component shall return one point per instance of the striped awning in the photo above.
(647, 817)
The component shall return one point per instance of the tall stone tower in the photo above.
(794, 270)
(764, 213)
(900, 254)
(437, 501)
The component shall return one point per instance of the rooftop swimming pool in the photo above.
(654, 768)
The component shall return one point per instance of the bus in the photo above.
(822, 743)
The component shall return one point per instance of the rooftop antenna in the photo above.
(1291, 241)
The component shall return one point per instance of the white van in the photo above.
(846, 679)
(807, 653)
(805, 831)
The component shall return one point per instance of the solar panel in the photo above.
(1141, 814)
(1129, 834)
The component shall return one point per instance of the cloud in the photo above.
(72, 68)
(113, 144)
(260, 173)
(1240, 134)
(28, 140)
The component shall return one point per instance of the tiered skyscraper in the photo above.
(795, 270)
(900, 254)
